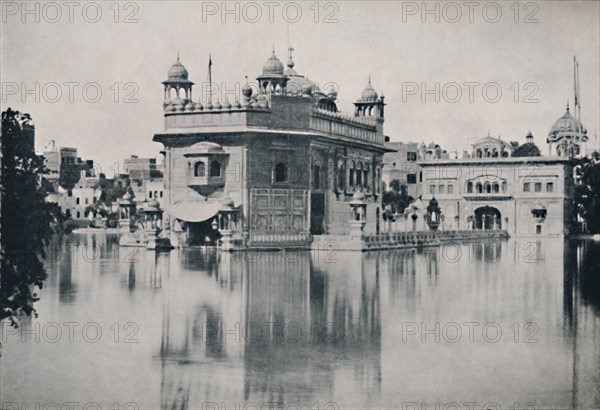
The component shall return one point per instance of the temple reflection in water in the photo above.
(278, 329)
(320, 330)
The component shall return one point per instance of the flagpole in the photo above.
(209, 78)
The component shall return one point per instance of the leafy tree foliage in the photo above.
(27, 221)
(528, 149)
(587, 193)
(396, 198)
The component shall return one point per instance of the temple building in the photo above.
(278, 167)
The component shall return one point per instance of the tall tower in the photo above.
(370, 105)
(178, 89)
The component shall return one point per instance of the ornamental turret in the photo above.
(566, 137)
(178, 88)
(272, 80)
(370, 104)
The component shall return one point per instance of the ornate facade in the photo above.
(284, 158)
(525, 196)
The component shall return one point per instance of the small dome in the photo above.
(433, 202)
(299, 84)
(307, 89)
(218, 106)
(226, 105)
(247, 91)
(566, 124)
(236, 104)
(198, 106)
(178, 72)
(369, 93)
(273, 66)
(332, 94)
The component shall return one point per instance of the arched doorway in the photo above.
(488, 217)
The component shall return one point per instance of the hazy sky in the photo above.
(388, 40)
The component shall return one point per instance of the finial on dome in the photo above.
(273, 48)
(567, 105)
(489, 134)
(177, 55)
(290, 63)
(369, 79)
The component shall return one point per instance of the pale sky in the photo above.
(381, 39)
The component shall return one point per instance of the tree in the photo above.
(529, 149)
(397, 198)
(27, 221)
(587, 192)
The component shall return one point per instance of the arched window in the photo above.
(280, 172)
(496, 187)
(366, 176)
(487, 188)
(215, 169)
(359, 174)
(504, 186)
(316, 176)
(155, 194)
(469, 187)
(199, 169)
(479, 188)
(161, 193)
(150, 194)
(351, 174)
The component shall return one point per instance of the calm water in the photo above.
(515, 323)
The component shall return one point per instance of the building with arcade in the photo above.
(493, 188)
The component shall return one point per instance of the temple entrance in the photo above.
(317, 213)
(488, 217)
(202, 233)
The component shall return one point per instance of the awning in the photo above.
(193, 211)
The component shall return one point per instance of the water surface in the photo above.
(496, 325)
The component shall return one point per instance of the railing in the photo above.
(341, 124)
(427, 238)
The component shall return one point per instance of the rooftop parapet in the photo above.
(284, 112)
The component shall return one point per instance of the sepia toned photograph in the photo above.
(300, 205)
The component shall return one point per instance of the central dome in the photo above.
(273, 66)
(566, 124)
